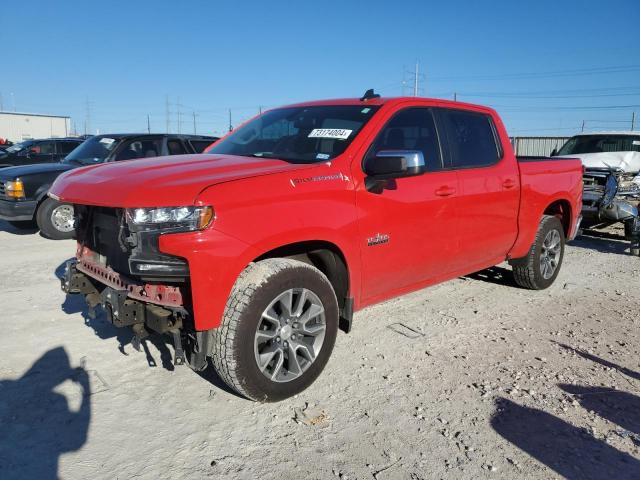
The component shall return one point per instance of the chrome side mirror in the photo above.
(388, 164)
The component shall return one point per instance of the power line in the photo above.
(549, 74)
(523, 95)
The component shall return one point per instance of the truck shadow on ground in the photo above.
(22, 230)
(38, 424)
(105, 330)
(498, 275)
(570, 451)
(603, 242)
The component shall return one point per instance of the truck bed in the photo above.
(543, 180)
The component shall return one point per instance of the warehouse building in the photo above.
(537, 146)
(17, 126)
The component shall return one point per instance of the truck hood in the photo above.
(159, 182)
(628, 162)
(22, 171)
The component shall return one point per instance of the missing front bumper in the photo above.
(121, 309)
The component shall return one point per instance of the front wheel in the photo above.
(278, 330)
(539, 269)
(55, 220)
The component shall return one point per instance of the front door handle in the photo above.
(509, 183)
(445, 191)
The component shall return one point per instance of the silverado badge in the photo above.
(378, 239)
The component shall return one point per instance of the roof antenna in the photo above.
(368, 95)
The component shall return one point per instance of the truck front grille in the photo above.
(106, 234)
(102, 230)
(2, 191)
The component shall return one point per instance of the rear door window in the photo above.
(44, 148)
(471, 138)
(176, 147)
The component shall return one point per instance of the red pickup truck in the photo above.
(255, 253)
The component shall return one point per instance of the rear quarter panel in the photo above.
(544, 182)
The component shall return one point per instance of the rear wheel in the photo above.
(55, 220)
(278, 330)
(539, 269)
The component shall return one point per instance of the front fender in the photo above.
(215, 262)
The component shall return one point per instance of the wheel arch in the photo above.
(330, 260)
(561, 209)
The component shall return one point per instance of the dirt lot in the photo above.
(474, 378)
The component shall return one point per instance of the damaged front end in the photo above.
(610, 196)
(122, 271)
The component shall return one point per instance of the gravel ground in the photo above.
(474, 378)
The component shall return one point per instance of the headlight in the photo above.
(14, 189)
(178, 218)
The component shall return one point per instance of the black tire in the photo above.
(45, 221)
(24, 225)
(233, 342)
(527, 271)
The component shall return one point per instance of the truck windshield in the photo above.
(298, 134)
(601, 143)
(91, 151)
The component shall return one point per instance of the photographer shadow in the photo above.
(38, 425)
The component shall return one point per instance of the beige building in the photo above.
(17, 126)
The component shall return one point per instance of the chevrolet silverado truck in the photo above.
(611, 180)
(255, 253)
(23, 189)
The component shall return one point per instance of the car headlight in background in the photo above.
(178, 218)
(14, 189)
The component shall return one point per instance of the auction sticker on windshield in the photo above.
(337, 133)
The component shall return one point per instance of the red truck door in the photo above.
(408, 230)
(489, 187)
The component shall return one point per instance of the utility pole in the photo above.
(455, 97)
(166, 111)
(179, 114)
(194, 123)
(148, 124)
(87, 120)
(633, 120)
(411, 81)
(230, 125)
(582, 130)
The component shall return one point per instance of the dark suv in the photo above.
(23, 190)
(38, 151)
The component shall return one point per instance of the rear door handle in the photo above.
(509, 183)
(445, 191)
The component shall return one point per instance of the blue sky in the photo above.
(546, 65)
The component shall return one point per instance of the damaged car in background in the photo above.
(611, 180)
